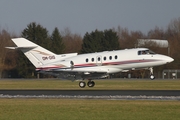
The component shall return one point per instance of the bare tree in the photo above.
(173, 35)
(128, 39)
(7, 58)
(71, 41)
(156, 33)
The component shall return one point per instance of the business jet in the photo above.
(89, 66)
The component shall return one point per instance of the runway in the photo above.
(94, 94)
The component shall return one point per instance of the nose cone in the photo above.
(169, 59)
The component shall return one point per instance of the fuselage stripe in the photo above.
(96, 64)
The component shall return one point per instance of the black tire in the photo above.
(91, 83)
(152, 77)
(82, 84)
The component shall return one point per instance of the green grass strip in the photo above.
(73, 109)
(118, 84)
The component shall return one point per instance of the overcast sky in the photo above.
(82, 16)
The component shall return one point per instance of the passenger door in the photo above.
(99, 60)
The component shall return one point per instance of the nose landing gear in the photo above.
(152, 77)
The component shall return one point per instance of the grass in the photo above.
(78, 109)
(73, 109)
(119, 84)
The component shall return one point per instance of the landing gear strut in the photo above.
(152, 77)
(90, 83)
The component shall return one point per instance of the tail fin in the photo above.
(35, 53)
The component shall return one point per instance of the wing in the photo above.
(80, 73)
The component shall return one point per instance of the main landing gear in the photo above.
(152, 77)
(90, 83)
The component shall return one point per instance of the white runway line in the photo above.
(92, 97)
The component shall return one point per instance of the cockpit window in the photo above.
(145, 52)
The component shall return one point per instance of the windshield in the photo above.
(145, 52)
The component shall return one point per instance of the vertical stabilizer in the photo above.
(35, 53)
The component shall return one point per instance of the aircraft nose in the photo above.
(169, 59)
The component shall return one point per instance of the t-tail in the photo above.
(36, 54)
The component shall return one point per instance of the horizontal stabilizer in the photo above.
(30, 47)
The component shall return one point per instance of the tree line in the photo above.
(14, 64)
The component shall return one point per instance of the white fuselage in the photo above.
(109, 61)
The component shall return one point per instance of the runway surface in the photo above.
(93, 92)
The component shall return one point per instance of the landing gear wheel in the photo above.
(82, 84)
(91, 83)
(152, 77)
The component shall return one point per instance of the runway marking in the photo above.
(92, 97)
(94, 94)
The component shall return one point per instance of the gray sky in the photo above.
(82, 16)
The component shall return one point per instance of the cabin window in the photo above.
(104, 58)
(151, 52)
(110, 57)
(99, 58)
(116, 57)
(92, 59)
(87, 60)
